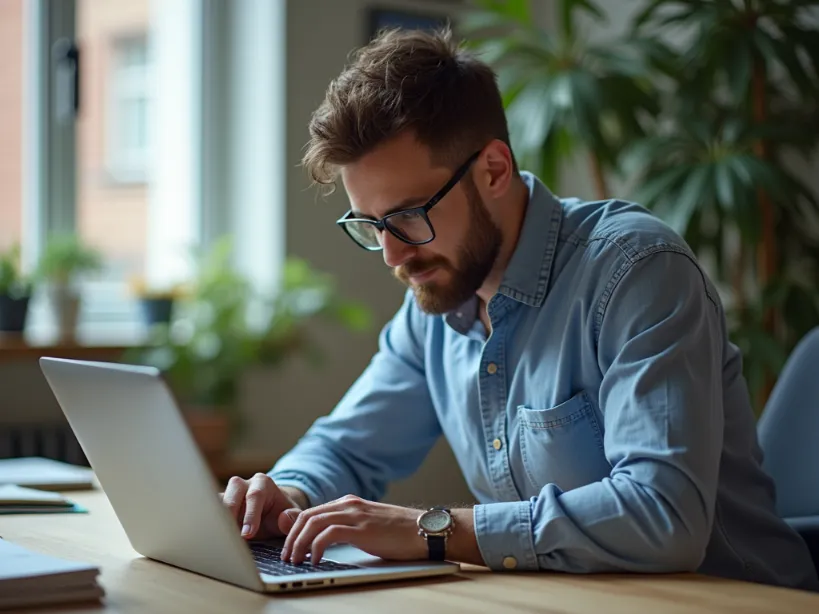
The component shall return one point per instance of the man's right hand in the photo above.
(262, 509)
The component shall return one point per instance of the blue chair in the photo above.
(789, 435)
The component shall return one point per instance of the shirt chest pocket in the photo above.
(562, 445)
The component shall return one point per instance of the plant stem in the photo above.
(601, 188)
(738, 277)
(766, 251)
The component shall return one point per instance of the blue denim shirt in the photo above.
(604, 425)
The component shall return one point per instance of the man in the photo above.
(573, 354)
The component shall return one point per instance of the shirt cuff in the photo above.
(504, 534)
(302, 482)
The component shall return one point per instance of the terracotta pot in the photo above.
(210, 428)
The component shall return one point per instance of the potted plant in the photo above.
(212, 343)
(707, 129)
(15, 292)
(156, 303)
(565, 92)
(64, 259)
(739, 111)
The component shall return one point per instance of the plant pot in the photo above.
(65, 305)
(210, 428)
(156, 310)
(13, 313)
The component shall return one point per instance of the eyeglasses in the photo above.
(409, 225)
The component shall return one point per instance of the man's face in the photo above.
(446, 272)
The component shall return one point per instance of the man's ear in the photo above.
(497, 168)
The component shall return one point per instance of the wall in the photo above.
(11, 106)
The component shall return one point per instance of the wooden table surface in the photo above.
(137, 585)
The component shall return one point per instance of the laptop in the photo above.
(166, 497)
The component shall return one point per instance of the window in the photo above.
(148, 150)
(11, 112)
(128, 111)
(113, 188)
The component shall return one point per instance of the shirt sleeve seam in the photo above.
(624, 268)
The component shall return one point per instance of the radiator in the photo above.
(47, 440)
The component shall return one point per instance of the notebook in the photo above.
(28, 578)
(20, 500)
(45, 474)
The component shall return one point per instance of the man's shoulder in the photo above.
(632, 230)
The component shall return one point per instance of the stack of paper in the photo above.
(44, 473)
(28, 578)
(19, 500)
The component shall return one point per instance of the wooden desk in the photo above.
(138, 585)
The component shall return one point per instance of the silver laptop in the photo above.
(166, 497)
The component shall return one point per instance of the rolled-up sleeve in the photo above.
(659, 350)
(380, 431)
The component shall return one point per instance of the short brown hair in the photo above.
(406, 80)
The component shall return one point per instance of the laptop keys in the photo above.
(268, 560)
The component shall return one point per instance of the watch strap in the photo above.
(437, 547)
(437, 543)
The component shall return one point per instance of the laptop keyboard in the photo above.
(268, 560)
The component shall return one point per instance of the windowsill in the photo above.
(95, 341)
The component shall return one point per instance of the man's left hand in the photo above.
(386, 531)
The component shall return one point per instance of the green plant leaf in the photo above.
(692, 194)
(792, 63)
(739, 67)
(567, 10)
(657, 193)
(725, 186)
(532, 113)
(518, 10)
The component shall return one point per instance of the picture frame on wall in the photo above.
(379, 18)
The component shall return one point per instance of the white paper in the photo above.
(42, 472)
(11, 494)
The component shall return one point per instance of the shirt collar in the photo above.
(527, 277)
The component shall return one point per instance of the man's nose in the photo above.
(396, 252)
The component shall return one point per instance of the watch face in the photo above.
(435, 521)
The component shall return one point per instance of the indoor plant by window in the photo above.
(64, 260)
(224, 327)
(15, 292)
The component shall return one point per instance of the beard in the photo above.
(475, 260)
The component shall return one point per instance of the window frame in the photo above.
(124, 164)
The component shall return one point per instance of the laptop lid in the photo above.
(160, 487)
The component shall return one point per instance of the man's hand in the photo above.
(386, 531)
(261, 508)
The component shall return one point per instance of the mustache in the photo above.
(405, 271)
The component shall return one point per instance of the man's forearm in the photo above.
(462, 545)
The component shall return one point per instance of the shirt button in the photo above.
(510, 562)
(491, 368)
(497, 444)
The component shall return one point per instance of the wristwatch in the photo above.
(435, 525)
